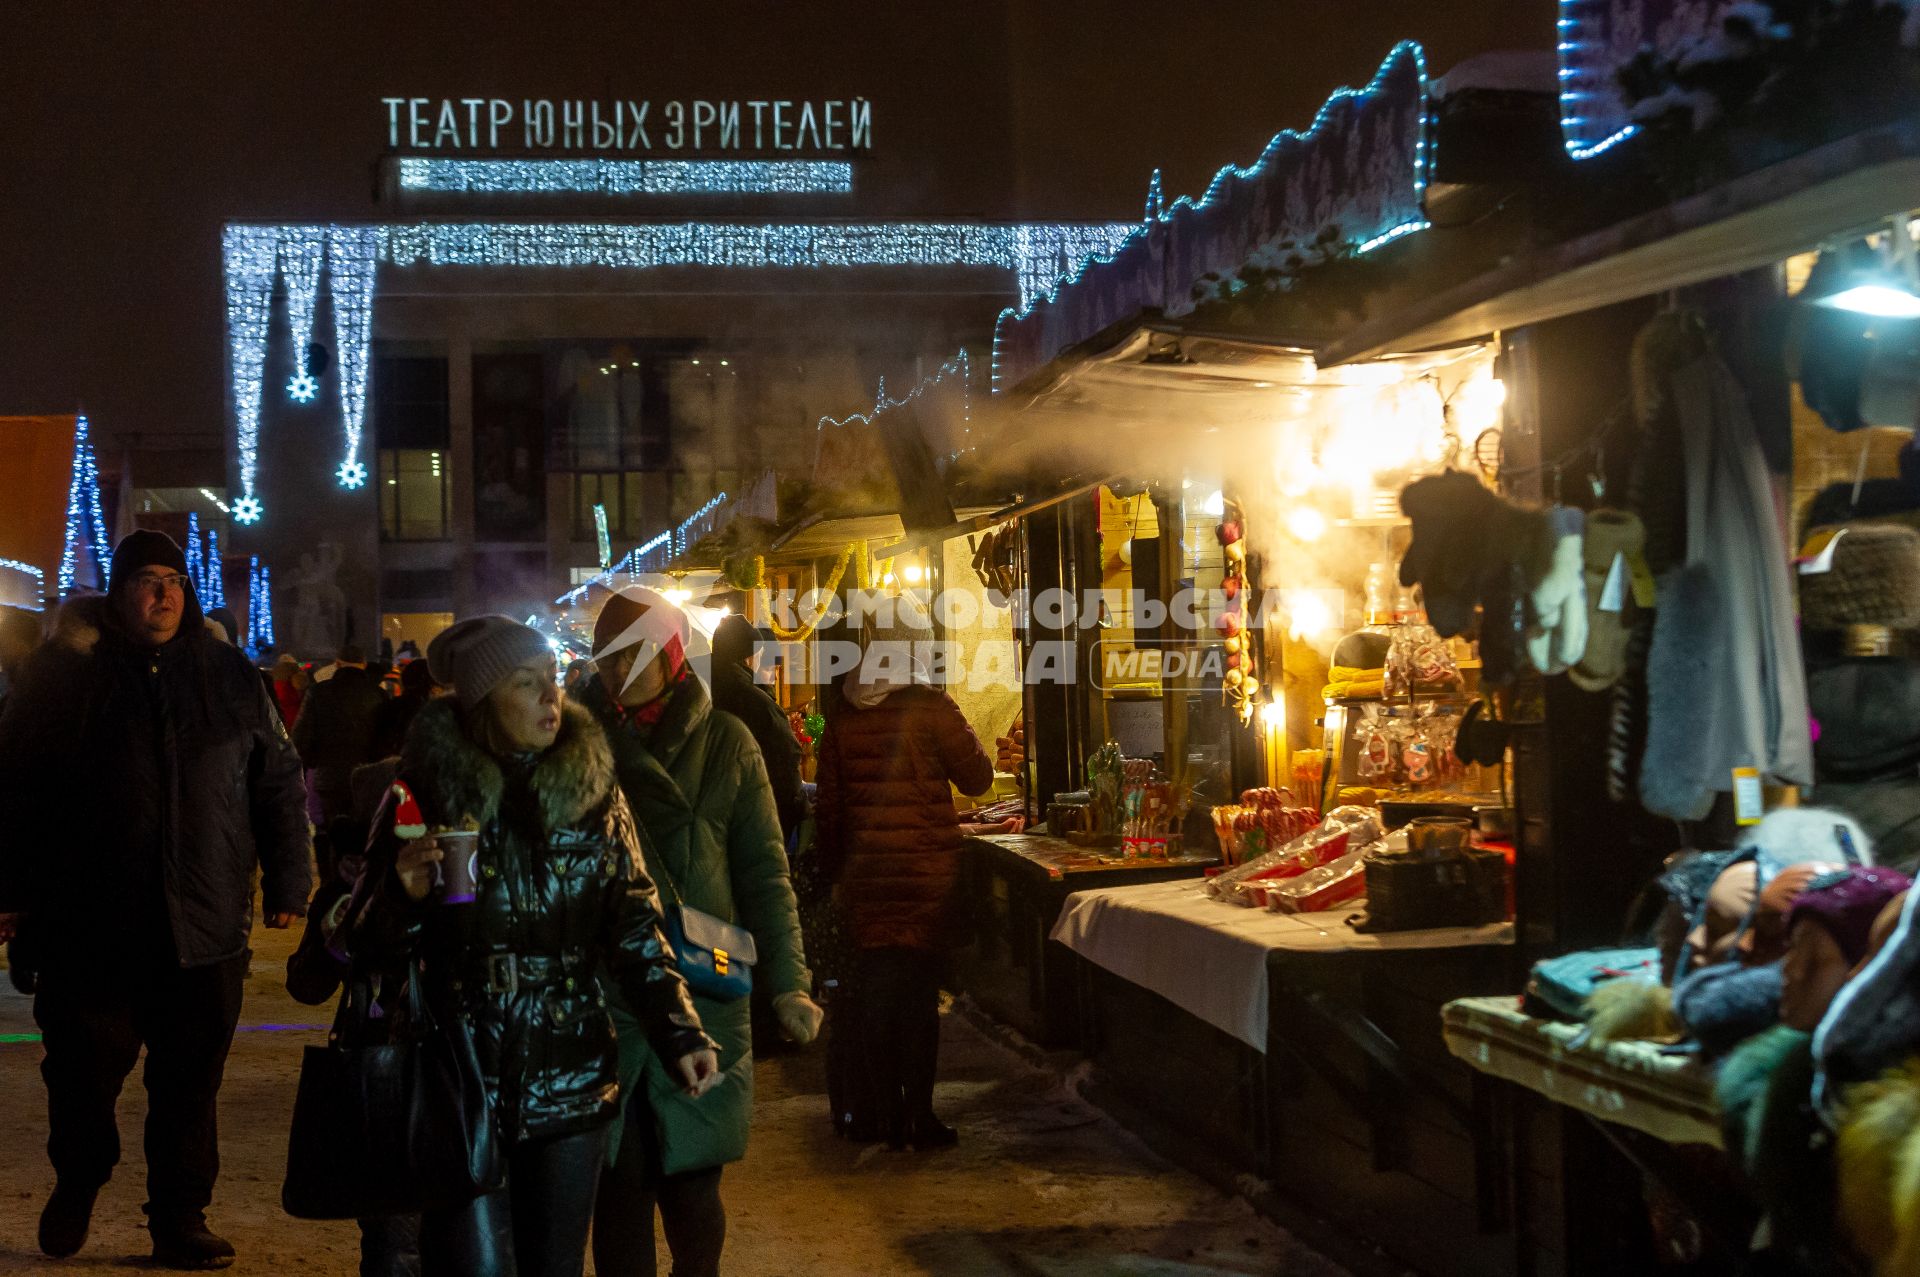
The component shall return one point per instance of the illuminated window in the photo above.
(413, 494)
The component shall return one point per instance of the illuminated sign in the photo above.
(760, 125)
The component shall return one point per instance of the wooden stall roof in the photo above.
(1843, 189)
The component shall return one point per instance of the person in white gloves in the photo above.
(711, 832)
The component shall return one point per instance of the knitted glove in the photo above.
(799, 1015)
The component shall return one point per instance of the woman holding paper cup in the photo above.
(507, 862)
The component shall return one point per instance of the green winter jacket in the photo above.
(699, 789)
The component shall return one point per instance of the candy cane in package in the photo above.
(1344, 826)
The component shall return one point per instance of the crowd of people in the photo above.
(587, 888)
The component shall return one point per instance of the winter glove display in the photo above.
(1557, 605)
(799, 1015)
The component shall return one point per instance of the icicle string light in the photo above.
(300, 255)
(259, 606)
(1162, 211)
(196, 565)
(629, 177)
(1036, 254)
(85, 520)
(248, 253)
(1591, 120)
(351, 254)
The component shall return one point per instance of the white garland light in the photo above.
(84, 516)
(1035, 253)
(351, 255)
(249, 254)
(213, 593)
(629, 177)
(300, 256)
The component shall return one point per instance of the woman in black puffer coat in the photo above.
(562, 904)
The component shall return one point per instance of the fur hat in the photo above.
(1725, 1004)
(1869, 714)
(1875, 580)
(1877, 1163)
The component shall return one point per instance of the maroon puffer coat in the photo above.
(884, 813)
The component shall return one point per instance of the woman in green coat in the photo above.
(699, 789)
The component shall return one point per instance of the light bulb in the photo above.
(915, 574)
(1878, 300)
(1215, 506)
(1273, 715)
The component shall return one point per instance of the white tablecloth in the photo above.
(1210, 957)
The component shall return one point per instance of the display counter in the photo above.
(1638, 1085)
(1303, 1054)
(1014, 887)
(1211, 958)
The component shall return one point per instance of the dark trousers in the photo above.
(690, 1209)
(93, 1028)
(536, 1226)
(390, 1246)
(899, 999)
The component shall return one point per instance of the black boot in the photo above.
(64, 1223)
(189, 1245)
(928, 1131)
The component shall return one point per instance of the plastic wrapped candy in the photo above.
(1333, 883)
(1345, 826)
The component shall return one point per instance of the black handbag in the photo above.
(392, 1115)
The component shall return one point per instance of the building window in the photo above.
(620, 493)
(413, 494)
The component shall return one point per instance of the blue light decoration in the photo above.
(628, 177)
(1294, 213)
(213, 590)
(959, 365)
(1156, 198)
(299, 263)
(602, 535)
(259, 607)
(27, 569)
(85, 521)
(196, 562)
(1592, 115)
(248, 254)
(351, 254)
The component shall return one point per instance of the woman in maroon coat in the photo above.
(887, 833)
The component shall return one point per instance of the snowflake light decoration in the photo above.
(303, 388)
(352, 474)
(248, 510)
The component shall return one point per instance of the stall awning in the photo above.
(1842, 189)
(822, 535)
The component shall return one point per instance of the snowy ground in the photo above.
(1041, 1185)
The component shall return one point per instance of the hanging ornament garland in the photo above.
(1241, 684)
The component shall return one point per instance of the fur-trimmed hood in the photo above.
(454, 777)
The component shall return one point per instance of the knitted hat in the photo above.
(144, 549)
(733, 640)
(1846, 904)
(637, 615)
(1875, 580)
(475, 655)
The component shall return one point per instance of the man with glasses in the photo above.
(142, 775)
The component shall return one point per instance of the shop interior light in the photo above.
(1881, 301)
(1215, 506)
(1879, 281)
(915, 574)
(1305, 523)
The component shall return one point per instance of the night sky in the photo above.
(132, 132)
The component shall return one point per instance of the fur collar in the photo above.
(457, 778)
